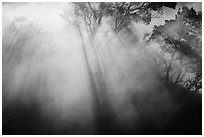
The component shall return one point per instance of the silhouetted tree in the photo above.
(122, 13)
(182, 37)
(87, 18)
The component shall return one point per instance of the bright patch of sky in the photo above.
(168, 14)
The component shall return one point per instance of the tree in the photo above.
(182, 40)
(121, 13)
(124, 13)
(87, 18)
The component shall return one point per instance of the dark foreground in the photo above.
(21, 119)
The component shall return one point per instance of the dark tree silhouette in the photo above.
(89, 17)
(122, 13)
(182, 37)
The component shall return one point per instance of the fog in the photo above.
(48, 88)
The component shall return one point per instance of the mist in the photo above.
(47, 86)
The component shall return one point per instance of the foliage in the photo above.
(183, 37)
(122, 13)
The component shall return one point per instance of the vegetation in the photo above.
(180, 54)
(183, 43)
